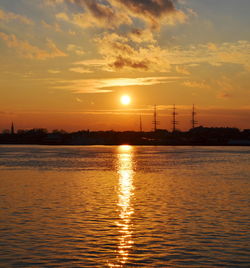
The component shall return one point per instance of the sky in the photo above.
(66, 63)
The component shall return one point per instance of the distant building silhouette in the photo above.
(196, 136)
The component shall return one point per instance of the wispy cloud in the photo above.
(182, 70)
(108, 85)
(196, 84)
(91, 62)
(53, 2)
(89, 19)
(26, 50)
(51, 71)
(75, 49)
(8, 16)
(214, 54)
(90, 65)
(80, 70)
(119, 53)
(223, 95)
(54, 27)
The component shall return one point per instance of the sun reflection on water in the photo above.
(125, 193)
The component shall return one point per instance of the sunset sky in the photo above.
(66, 63)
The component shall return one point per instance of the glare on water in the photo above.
(125, 193)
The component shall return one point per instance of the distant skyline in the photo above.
(66, 63)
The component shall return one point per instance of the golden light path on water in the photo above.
(125, 193)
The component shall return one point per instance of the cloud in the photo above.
(76, 49)
(119, 53)
(237, 53)
(141, 36)
(226, 87)
(121, 62)
(96, 15)
(89, 66)
(182, 70)
(153, 11)
(79, 100)
(71, 32)
(196, 84)
(7, 16)
(97, 9)
(223, 95)
(225, 84)
(26, 50)
(214, 54)
(212, 46)
(129, 47)
(134, 47)
(108, 85)
(80, 70)
(114, 13)
(55, 27)
(53, 2)
(63, 16)
(92, 63)
(51, 71)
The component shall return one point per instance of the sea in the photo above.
(124, 206)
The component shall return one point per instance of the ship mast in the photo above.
(155, 122)
(194, 121)
(174, 122)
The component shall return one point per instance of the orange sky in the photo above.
(65, 63)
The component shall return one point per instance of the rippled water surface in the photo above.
(124, 206)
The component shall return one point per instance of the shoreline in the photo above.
(120, 144)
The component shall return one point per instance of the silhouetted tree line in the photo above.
(196, 136)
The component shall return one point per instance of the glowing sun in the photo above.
(125, 100)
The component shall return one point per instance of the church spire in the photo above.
(12, 130)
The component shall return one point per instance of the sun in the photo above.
(125, 100)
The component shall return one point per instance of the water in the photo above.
(124, 206)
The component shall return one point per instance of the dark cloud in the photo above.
(151, 11)
(152, 8)
(99, 10)
(122, 62)
(98, 13)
